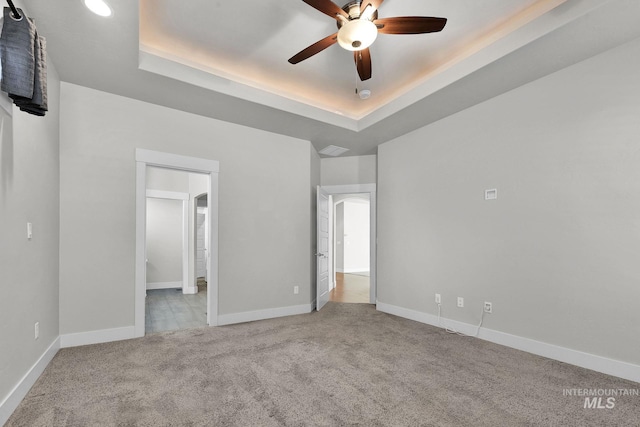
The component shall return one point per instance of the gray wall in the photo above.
(351, 230)
(557, 252)
(355, 237)
(339, 226)
(29, 190)
(164, 240)
(263, 196)
(349, 170)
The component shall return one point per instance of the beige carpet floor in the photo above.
(347, 365)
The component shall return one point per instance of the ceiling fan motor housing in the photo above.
(353, 10)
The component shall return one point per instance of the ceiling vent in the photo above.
(333, 151)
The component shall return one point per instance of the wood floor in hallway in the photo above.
(350, 288)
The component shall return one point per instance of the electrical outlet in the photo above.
(36, 330)
(460, 302)
(438, 299)
(296, 290)
(488, 307)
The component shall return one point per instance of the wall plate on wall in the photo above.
(491, 194)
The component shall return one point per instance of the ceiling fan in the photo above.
(358, 27)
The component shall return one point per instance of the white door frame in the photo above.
(371, 190)
(184, 197)
(211, 168)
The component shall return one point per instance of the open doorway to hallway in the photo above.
(351, 248)
(176, 207)
(146, 159)
(326, 198)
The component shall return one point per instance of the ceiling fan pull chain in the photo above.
(358, 56)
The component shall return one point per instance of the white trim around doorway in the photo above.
(211, 168)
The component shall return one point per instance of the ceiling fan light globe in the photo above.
(358, 34)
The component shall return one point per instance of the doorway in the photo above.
(206, 172)
(173, 300)
(351, 247)
(328, 278)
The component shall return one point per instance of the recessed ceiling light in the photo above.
(99, 7)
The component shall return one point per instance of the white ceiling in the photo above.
(228, 59)
(250, 41)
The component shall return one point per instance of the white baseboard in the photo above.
(355, 270)
(163, 285)
(270, 313)
(11, 402)
(605, 365)
(97, 337)
(189, 291)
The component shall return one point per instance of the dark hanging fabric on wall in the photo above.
(24, 64)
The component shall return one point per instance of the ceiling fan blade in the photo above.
(410, 25)
(363, 63)
(375, 4)
(327, 7)
(317, 47)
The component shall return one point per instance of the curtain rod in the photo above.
(14, 11)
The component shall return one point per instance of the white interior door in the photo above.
(322, 287)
